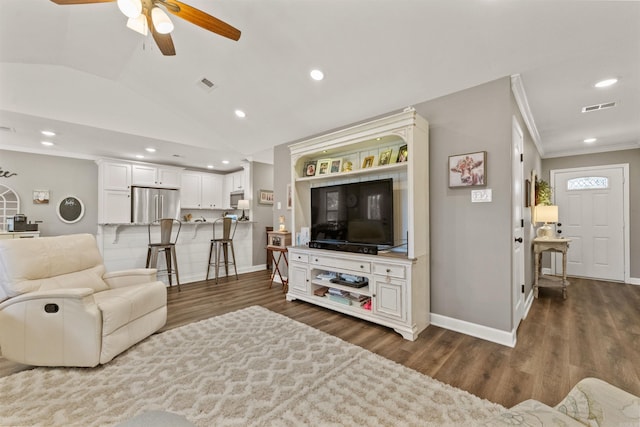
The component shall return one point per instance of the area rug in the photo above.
(251, 367)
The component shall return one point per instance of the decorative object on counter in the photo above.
(243, 204)
(467, 170)
(385, 157)
(403, 154)
(265, 197)
(188, 217)
(368, 162)
(41, 197)
(347, 167)
(70, 209)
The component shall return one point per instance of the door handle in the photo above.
(519, 240)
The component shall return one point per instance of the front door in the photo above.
(591, 213)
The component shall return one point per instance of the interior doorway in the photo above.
(517, 222)
(593, 211)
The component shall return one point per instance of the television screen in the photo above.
(359, 212)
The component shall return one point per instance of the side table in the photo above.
(282, 253)
(540, 245)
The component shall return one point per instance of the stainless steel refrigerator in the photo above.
(151, 204)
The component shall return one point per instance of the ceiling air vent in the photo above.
(598, 107)
(206, 84)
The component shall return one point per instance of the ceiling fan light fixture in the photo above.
(139, 25)
(161, 21)
(131, 8)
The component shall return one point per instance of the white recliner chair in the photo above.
(59, 308)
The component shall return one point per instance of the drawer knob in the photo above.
(362, 266)
(388, 270)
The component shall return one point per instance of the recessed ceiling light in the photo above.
(590, 140)
(226, 162)
(316, 75)
(48, 133)
(606, 83)
(209, 166)
(150, 149)
(47, 143)
(240, 114)
(139, 156)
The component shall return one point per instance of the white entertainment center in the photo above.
(393, 284)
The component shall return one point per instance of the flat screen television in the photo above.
(359, 212)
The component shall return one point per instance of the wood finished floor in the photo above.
(595, 332)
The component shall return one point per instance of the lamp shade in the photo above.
(243, 204)
(131, 8)
(546, 214)
(161, 21)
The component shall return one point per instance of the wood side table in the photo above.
(540, 245)
(282, 253)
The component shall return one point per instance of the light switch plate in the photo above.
(481, 196)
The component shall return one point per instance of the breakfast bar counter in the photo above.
(124, 246)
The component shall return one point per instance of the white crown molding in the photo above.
(517, 87)
(592, 150)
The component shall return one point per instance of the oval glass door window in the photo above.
(70, 209)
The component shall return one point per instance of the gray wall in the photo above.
(632, 157)
(471, 242)
(261, 179)
(62, 177)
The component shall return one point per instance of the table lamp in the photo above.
(243, 204)
(546, 214)
(282, 226)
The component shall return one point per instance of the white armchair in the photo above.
(58, 307)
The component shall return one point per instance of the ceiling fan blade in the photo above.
(65, 2)
(200, 18)
(164, 41)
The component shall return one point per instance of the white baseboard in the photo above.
(546, 271)
(633, 281)
(528, 303)
(479, 331)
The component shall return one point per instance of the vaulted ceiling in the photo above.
(108, 91)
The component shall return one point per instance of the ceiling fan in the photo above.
(150, 14)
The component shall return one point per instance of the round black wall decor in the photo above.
(70, 209)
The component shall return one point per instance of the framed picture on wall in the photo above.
(468, 170)
(265, 197)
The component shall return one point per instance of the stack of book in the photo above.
(340, 296)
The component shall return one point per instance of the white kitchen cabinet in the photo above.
(154, 176)
(201, 191)
(114, 192)
(237, 180)
(212, 191)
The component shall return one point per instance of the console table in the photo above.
(540, 245)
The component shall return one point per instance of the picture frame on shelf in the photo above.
(385, 157)
(368, 162)
(309, 168)
(403, 154)
(336, 166)
(468, 170)
(265, 197)
(323, 167)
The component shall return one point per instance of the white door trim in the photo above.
(625, 209)
(517, 224)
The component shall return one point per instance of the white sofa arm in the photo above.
(134, 276)
(64, 328)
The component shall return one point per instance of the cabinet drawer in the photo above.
(345, 264)
(299, 258)
(389, 270)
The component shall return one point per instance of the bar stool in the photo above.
(165, 245)
(222, 244)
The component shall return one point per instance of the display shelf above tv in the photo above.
(375, 170)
